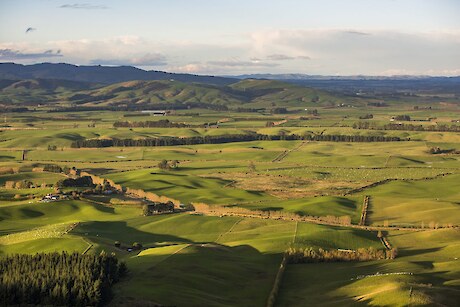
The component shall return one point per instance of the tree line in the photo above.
(128, 106)
(220, 139)
(311, 255)
(60, 279)
(163, 123)
(408, 127)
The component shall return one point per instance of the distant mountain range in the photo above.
(132, 88)
(325, 77)
(98, 74)
(369, 84)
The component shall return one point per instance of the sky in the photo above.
(231, 37)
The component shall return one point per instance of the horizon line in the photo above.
(246, 74)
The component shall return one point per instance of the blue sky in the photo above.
(327, 37)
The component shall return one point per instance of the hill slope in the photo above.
(166, 94)
(144, 93)
(33, 91)
(268, 92)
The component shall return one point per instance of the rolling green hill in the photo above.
(262, 93)
(169, 94)
(42, 91)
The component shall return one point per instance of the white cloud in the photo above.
(311, 51)
(148, 59)
(367, 52)
(15, 55)
(83, 6)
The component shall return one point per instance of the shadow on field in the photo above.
(411, 160)
(417, 252)
(207, 274)
(99, 171)
(428, 265)
(120, 231)
(6, 158)
(30, 213)
(214, 168)
(70, 136)
(169, 174)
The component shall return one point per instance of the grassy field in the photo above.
(199, 260)
(416, 202)
(425, 273)
(185, 187)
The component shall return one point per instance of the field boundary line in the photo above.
(295, 231)
(319, 222)
(230, 230)
(90, 245)
(285, 153)
(364, 210)
(170, 255)
(277, 283)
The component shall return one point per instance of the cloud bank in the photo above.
(310, 51)
(13, 55)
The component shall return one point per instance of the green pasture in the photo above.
(201, 275)
(319, 236)
(32, 194)
(314, 206)
(427, 260)
(356, 174)
(232, 261)
(36, 177)
(24, 217)
(185, 187)
(416, 202)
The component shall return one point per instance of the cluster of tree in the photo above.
(402, 117)
(307, 118)
(312, 111)
(52, 147)
(249, 110)
(14, 109)
(315, 99)
(351, 138)
(377, 104)
(136, 115)
(366, 116)
(240, 119)
(279, 110)
(163, 123)
(53, 168)
(407, 127)
(211, 124)
(165, 165)
(134, 246)
(157, 207)
(21, 184)
(219, 139)
(58, 279)
(422, 108)
(438, 150)
(100, 189)
(310, 255)
(83, 181)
